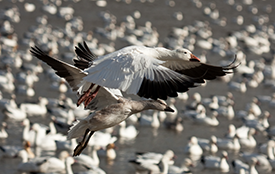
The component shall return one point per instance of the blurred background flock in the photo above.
(224, 126)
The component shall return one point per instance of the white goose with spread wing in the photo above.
(148, 72)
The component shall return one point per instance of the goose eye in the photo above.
(185, 52)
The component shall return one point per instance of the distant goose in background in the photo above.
(148, 120)
(249, 168)
(250, 141)
(193, 148)
(32, 109)
(268, 149)
(237, 86)
(230, 144)
(129, 132)
(28, 134)
(135, 70)
(260, 124)
(42, 164)
(14, 113)
(184, 168)
(9, 151)
(46, 141)
(207, 120)
(154, 156)
(3, 132)
(161, 166)
(254, 107)
(262, 161)
(197, 100)
(211, 103)
(177, 125)
(7, 102)
(89, 160)
(25, 90)
(208, 145)
(102, 139)
(108, 152)
(213, 162)
(171, 116)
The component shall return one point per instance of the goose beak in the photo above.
(194, 58)
(168, 109)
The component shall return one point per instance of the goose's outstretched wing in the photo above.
(72, 74)
(200, 70)
(133, 72)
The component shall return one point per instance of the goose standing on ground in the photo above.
(148, 72)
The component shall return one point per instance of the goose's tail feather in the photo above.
(77, 129)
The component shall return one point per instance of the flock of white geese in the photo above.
(103, 78)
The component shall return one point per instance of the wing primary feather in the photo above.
(230, 66)
(73, 75)
(85, 57)
(161, 91)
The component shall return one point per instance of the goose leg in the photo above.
(84, 96)
(88, 95)
(83, 143)
(91, 96)
(87, 140)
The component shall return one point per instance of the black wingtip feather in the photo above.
(85, 57)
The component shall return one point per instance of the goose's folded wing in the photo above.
(73, 75)
(200, 70)
(134, 73)
(105, 96)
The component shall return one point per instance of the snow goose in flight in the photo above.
(116, 110)
(148, 72)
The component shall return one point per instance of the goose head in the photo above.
(159, 105)
(187, 162)
(224, 154)
(185, 54)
